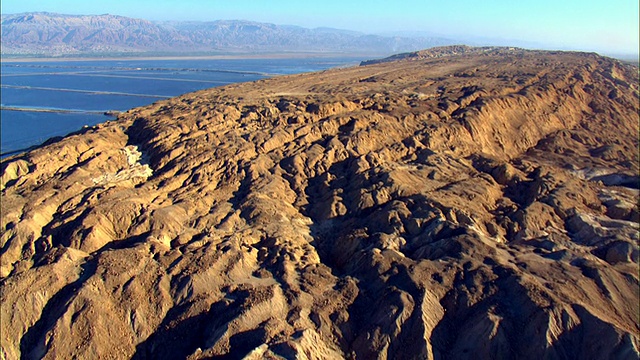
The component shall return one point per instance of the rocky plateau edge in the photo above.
(479, 205)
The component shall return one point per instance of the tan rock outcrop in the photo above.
(469, 204)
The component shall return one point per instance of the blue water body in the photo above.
(20, 130)
(102, 85)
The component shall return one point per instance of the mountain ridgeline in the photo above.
(48, 34)
(458, 203)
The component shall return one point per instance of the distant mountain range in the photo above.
(49, 34)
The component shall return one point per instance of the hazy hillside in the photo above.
(56, 34)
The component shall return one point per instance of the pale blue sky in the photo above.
(609, 26)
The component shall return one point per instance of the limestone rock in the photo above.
(455, 203)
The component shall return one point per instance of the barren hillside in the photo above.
(476, 205)
(50, 34)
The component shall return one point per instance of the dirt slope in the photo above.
(478, 205)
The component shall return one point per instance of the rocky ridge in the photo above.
(444, 51)
(458, 207)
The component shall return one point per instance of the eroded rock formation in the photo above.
(478, 205)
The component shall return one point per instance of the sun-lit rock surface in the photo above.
(481, 204)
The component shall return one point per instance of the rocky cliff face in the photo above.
(481, 205)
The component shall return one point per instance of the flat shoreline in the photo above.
(191, 57)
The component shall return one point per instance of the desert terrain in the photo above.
(455, 203)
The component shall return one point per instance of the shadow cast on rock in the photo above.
(33, 342)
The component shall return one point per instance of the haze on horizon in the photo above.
(609, 27)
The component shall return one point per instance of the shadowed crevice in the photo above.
(32, 343)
